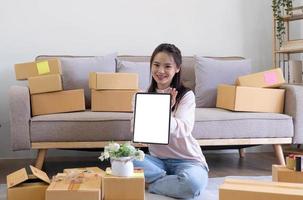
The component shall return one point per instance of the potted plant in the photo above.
(121, 158)
(281, 8)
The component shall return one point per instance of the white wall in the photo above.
(96, 27)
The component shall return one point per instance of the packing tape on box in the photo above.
(43, 67)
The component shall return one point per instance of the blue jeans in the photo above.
(173, 177)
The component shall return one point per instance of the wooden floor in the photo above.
(225, 164)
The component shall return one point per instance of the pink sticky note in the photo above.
(270, 77)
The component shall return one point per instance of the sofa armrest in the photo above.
(20, 115)
(294, 108)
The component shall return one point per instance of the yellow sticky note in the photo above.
(43, 67)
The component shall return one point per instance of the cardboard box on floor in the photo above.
(238, 98)
(25, 70)
(75, 185)
(112, 100)
(46, 83)
(113, 81)
(233, 189)
(58, 102)
(269, 78)
(127, 188)
(282, 174)
(24, 186)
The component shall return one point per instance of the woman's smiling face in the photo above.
(164, 69)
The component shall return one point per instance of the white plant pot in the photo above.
(122, 166)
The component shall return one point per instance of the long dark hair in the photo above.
(173, 51)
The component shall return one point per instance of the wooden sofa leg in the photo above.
(241, 153)
(279, 153)
(40, 158)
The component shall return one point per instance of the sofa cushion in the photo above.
(215, 123)
(81, 126)
(209, 73)
(141, 68)
(76, 69)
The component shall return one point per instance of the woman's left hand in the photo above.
(174, 94)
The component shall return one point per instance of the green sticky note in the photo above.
(43, 67)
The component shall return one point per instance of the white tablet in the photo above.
(152, 118)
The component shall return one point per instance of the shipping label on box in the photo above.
(233, 189)
(127, 188)
(269, 78)
(43, 84)
(112, 100)
(113, 81)
(238, 98)
(24, 186)
(75, 186)
(58, 102)
(25, 70)
(282, 174)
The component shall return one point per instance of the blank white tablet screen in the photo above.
(152, 118)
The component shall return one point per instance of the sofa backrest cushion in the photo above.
(187, 74)
(210, 72)
(141, 68)
(76, 69)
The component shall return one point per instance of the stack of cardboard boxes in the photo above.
(287, 184)
(112, 92)
(255, 92)
(89, 183)
(45, 85)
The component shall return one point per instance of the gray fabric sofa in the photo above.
(213, 127)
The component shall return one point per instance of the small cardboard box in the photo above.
(25, 70)
(58, 102)
(127, 188)
(112, 100)
(113, 81)
(238, 98)
(282, 174)
(75, 186)
(269, 78)
(43, 84)
(233, 189)
(24, 186)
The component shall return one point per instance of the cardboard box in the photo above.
(24, 186)
(113, 81)
(25, 70)
(43, 84)
(112, 100)
(252, 99)
(283, 174)
(76, 186)
(270, 78)
(127, 188)
(58, 102)
(233, 189)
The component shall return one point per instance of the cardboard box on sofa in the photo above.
(43, 84)
(269, 78)
(283, 174)
(75, 186)
(233, 189)
(112, 100)
(238, 98)
(127, 188)
(24, 186)
(113, 81)
(25, 70)
(58, 102)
